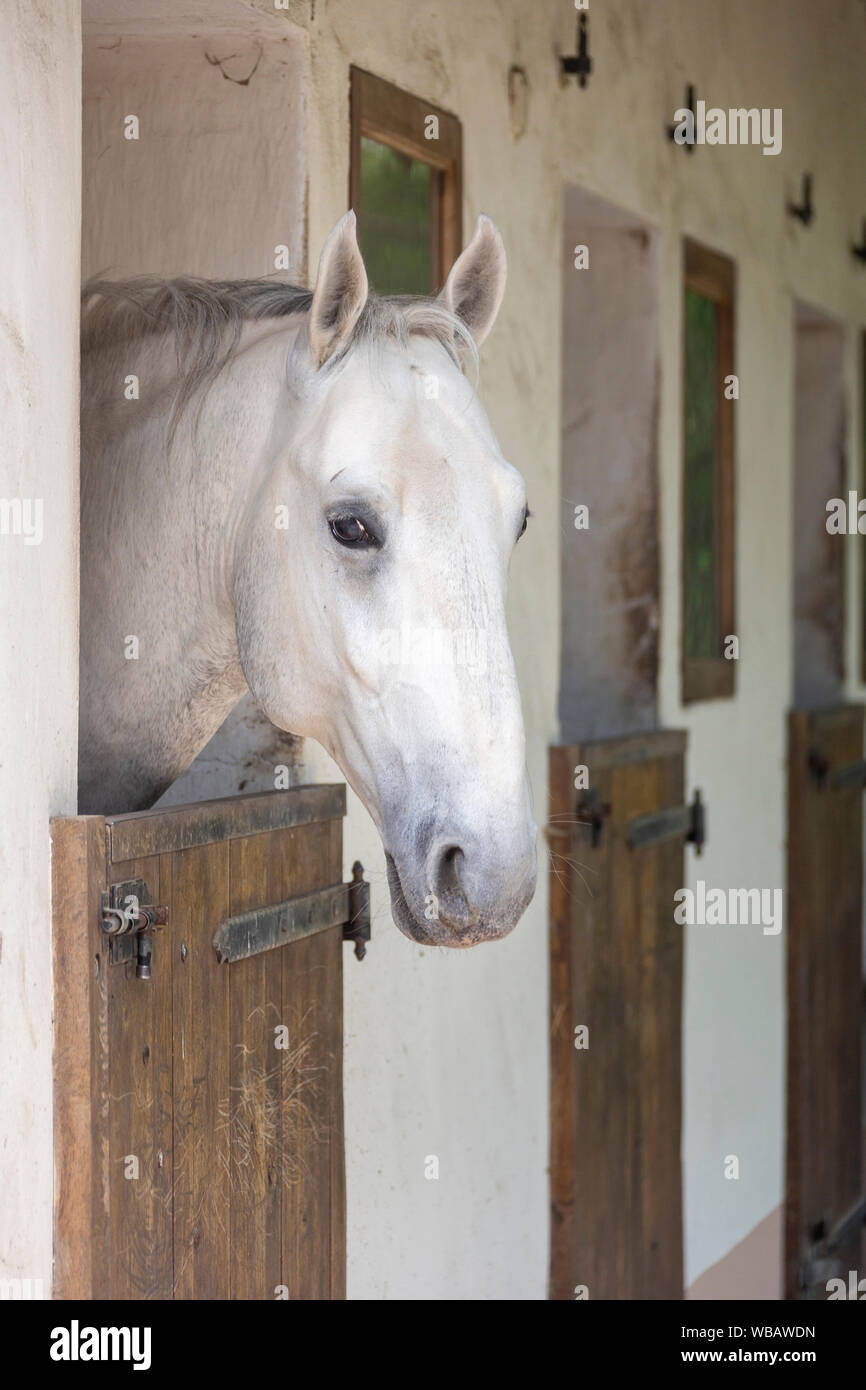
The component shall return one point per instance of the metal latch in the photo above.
(345, 905)
(672, 823)
(851, 775)
(358, 928)
(129, 919)
(591, 811)
(822, 1262)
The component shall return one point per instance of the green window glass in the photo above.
(396, 237)
(702, 397)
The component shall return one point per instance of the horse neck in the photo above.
(159, 531)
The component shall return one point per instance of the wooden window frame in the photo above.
(714, 276)
(386, 113)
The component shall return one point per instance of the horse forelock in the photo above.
(207, 318)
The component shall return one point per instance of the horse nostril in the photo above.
(449, 868)
(474, 887)
(445, 882)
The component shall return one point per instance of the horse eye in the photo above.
(526, 515)
(351, 531)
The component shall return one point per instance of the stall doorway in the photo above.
(194, 154)
(198, 1039)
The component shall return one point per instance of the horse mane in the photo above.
(207, 317)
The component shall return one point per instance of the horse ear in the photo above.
(474, 289)
(340, 293)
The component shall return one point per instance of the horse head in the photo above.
(372, 619)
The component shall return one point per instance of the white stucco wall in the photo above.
(445, 1054)
(40, 88)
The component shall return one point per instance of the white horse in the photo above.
(300, 494)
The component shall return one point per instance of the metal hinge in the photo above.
(358, 927)
(673, 823)
(851, 775)
(822, 1262)
(129, 919)
(266, 928)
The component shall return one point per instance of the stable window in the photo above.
(709, 391)
(405, 186)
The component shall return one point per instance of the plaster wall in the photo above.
(40, 190)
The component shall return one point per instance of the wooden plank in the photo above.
(140, 1061)
(202, 1034)
(560, 837)
(310, 1073)
(709, 273)
(825, 1006)
(635, 873)
(165, 960)
(81, 1170)
(632, 748)
(144, 833)
(661, 1078)
(616, 967)
(829, 719)
(604, 1124)
(333, 987)
(799, 913)
(256, 1130)
(308, 1082)
(389, 114)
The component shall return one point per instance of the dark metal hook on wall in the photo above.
(592, 811)
(859, 249)
(689, 105)
(804, 209)
(580, 63)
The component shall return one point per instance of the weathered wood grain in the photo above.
(616, 967)
(825, 997)
(143, 833)
(81, 1088)
(196, 1158)
(139, 1122)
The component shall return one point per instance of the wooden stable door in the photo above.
(198, 1074)
(616, 971)
(825, 1208)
